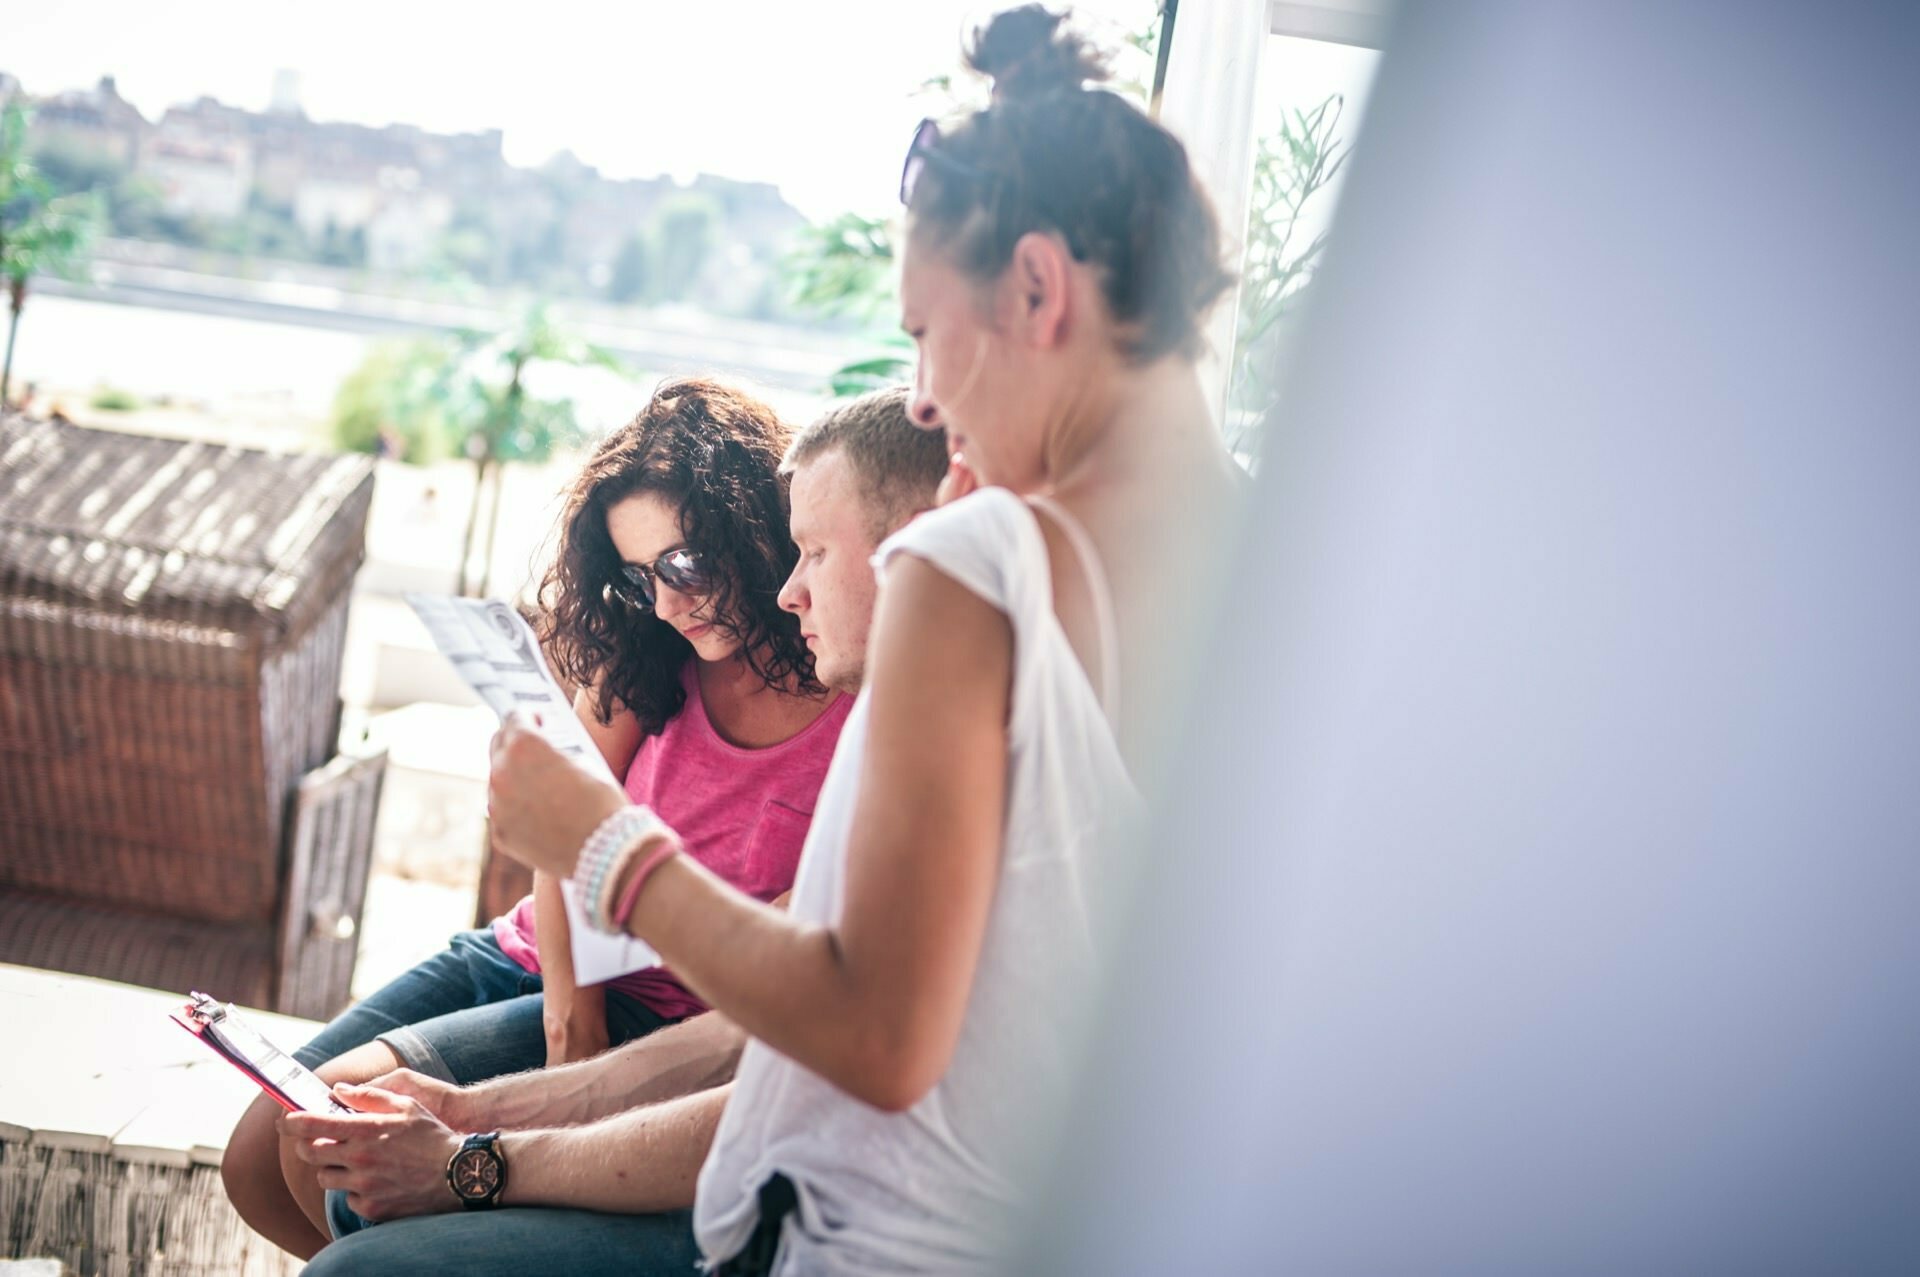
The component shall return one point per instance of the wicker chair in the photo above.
(172, 617)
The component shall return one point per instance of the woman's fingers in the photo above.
(958, 481)
(543, 804)
(519, 724)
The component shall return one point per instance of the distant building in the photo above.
(568, 169)
(200, 165)
(336, 199)
(605, 216)
(755, 212)
(286, 93)
(407, 223)
(756, 223)
(209, 178)
(98, 120)
(399, 198)
(402, 221)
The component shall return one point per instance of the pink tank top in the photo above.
(743, 813)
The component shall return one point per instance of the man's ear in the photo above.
(1040, 277)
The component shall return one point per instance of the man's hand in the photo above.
(390, 1157)
(460, 1107)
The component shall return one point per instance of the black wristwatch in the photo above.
(477, 1172)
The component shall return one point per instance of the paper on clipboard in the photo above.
(494, 650)
(291, 1083)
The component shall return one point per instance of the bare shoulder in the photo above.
(618, 738)
(931, 629)
(940, 697)
(1075, 603)
(919, 597)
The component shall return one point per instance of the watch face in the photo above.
(475, 1174)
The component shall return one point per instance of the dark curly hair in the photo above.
(1051, 153)
(713, 453)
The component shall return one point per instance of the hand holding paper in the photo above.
(543, 806)
(542, 803)
(495, 651)
(550, 786)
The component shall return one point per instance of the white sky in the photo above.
(815, 97)
(818, 98)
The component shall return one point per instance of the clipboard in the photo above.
(292, 1084)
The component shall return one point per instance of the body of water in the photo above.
(76, 345)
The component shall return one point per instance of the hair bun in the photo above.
(1028, 53)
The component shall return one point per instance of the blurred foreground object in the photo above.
(172, 812)
(1539, 891)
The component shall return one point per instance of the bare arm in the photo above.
(874, 1004)
(575, 1017)
(682, 1058)
(636, 1162)
(390, 1158)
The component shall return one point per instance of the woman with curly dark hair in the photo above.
(662, 607)
(706, 459)
(665, 594)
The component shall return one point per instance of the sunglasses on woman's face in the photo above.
(682, 570)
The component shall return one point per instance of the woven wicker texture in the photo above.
(162, 953)
(332, 847)
(98, 1214)
(172, 616)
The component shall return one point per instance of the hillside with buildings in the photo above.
(402, 203)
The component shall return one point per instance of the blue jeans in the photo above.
(466, 1014)
(517, 1241)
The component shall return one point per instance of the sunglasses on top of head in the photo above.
(926, 147)
(682, 570)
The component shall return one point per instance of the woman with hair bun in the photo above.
(915, 1014)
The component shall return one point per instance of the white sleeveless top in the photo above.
(940, 1187)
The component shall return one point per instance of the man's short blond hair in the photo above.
(897, 464)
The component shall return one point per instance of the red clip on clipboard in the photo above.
(287, 1080)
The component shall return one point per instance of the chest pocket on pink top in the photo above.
(773, 850)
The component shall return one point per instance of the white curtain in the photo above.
(1212, 72)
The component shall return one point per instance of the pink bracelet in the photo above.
(628, 898)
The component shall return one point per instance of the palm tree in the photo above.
(845, 267)
(39, 233)
(470, 394)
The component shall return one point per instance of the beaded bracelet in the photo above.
(600, 907)
(605, 847)
(623, 909)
